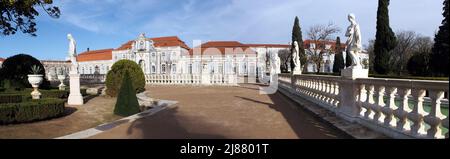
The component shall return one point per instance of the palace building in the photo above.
(169, 58)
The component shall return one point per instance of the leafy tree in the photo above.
(418, 64)
(338, 58)
(348, 60)
(441, 50)
(319, 35)
(297, 36)
(20, 15)
(115, 75)
(385, 39)
(16, 69)
(127, 103)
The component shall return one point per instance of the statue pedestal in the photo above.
(297, 71)
(354, 73)
(75, 97)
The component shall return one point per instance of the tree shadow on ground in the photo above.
(68, 111)
(304, 123)
(166, 125)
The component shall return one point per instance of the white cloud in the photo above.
(243, 20)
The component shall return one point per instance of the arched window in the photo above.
(97, 70)
(163, 68)
(153, 68)
(174, 68)
(220, 70)
(142, 65)
(190, 69)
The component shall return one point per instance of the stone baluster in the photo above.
(362, 97)
(388, 110)
(376, 108)
(417, 114)
(336, 94)
(403, 109)
(445, 124)
(435, 117)
(370, 89)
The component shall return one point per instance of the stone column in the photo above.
(349, 94)
(75, 97)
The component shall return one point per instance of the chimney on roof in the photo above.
(87, 49)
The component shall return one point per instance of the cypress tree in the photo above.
(439, 57)
(297, 36)
(348, 60)
(385, 39)
(338, 58)
(127, 103)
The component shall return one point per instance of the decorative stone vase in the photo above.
(61, 79)
(35, 81)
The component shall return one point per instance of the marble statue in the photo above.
(75, 97)
(72, 52)
(278, 64)
(274, 64)
(353, 43)
(354, 48)
(296, 59)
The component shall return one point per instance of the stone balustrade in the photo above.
(92, 78)
(394, 107)
(192, 79)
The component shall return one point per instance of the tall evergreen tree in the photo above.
(439, 58)
(385, 39)
(348, 60)
(127, 103)
(338, 58)
(297, 36)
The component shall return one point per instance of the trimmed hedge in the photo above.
(115, 76)
(31, 110)
(11, 98)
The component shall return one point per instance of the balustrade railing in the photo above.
(395, 107)
(195, 79)
(92, 78)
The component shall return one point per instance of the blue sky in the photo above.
(100, 24)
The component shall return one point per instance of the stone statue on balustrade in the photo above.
(275, 63)
(296, 58)
(354, 48)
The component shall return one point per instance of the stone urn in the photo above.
(35, 81)
(61, 79)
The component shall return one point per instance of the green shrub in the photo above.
(17, 68)
(54, 94)
(10, 98)
(25, 95)
(115, 76)
(127, 103)
(31, 110)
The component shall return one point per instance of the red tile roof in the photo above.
(269, 45)
(222, 47)
(306, 43)
(105, 54)
(167, 41)
(2, 59)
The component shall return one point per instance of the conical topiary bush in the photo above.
(127, 103)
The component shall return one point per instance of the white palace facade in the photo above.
(170, 60)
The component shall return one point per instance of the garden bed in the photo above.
(31, 110)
